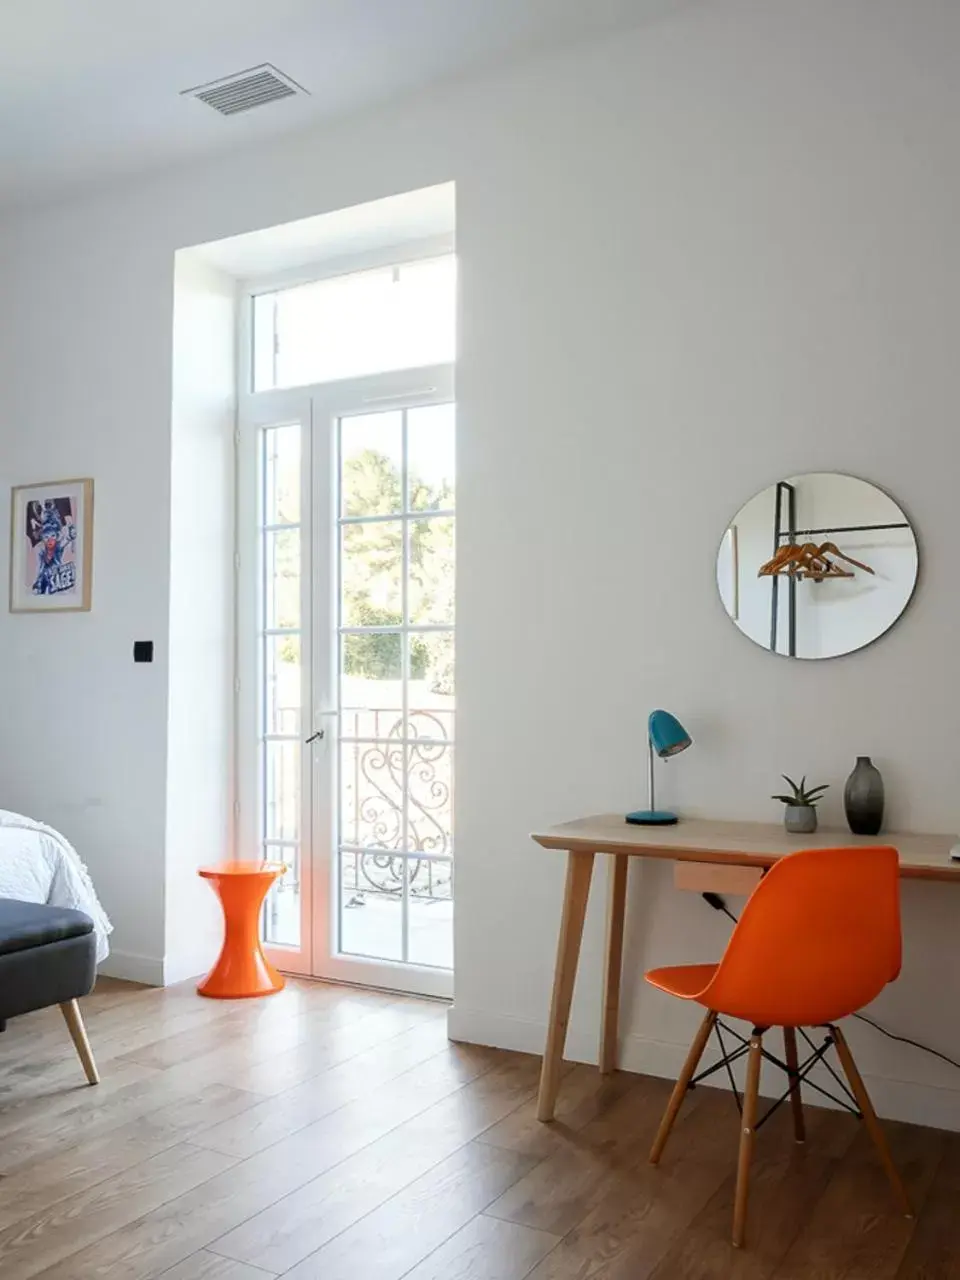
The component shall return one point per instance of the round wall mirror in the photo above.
(817, 565)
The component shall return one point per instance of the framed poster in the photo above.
(51, 546)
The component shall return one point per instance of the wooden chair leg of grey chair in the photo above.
(78, 1034)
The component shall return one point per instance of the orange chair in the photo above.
(819, 938)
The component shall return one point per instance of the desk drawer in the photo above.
(715, 877)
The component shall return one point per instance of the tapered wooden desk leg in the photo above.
(796, 1098)
(78, 1034)
(579, 871)
(616, 911)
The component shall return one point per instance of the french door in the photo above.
(346, 697)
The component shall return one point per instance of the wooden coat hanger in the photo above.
(808, 561)
(834, 550)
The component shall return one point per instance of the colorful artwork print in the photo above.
(52, 530)
(51, 546)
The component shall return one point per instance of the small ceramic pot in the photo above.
(800, 819)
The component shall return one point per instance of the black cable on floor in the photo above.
(718, 904)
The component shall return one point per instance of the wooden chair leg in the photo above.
(751, 1094)
(796, 1098)
(859, 1090)
(78, 1034)
(681, 1087)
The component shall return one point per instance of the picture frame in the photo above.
(51, 547)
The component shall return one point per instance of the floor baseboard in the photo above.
(133, 968)
(909, 1100)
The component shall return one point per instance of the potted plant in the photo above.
(800, 816)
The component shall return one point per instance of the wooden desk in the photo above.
(745, 844)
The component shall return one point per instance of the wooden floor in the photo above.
(333, 1134)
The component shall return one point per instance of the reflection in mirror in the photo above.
(817, 565)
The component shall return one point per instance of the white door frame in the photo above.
(318, 409)
(275, 408)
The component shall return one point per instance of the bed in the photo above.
(38, 865)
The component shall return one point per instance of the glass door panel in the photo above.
(274, 774)
(395, 607)
(346, 707)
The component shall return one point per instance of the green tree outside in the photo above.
(373, 565)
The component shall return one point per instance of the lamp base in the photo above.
(652, 818)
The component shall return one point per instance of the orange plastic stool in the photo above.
(242, 970)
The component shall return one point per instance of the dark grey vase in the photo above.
(863, 798)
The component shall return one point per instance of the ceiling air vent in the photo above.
(245, 90)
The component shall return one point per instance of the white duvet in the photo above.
(38, 865)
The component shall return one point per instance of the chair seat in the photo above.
(684, 980)
(24, 925)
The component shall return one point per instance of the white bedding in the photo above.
(38, 865)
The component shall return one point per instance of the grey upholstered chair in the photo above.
(48, 955)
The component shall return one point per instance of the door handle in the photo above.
(320, 733)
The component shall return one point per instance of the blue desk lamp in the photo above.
(667, 737)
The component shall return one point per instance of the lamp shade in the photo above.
(667, 735)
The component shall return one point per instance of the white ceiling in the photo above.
(89, 90)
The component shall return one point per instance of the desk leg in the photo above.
(579, 871)
(616, 910)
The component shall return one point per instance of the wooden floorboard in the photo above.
(787, 1179)
(390, 1240)
(207, 1266)
(486, 1249)
(335, 1134)
(349, 1187)
(856, 1229)
(934, 1249)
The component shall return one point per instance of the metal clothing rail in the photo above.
(846, 528)
(786, 496)
(784, 489)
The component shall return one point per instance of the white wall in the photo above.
(694, 259)
(200, 776)
(85, 347)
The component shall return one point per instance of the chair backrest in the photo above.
(819, 938)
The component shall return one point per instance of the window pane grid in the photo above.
(400, 515)
(396, 629)
(405, 649)
(395, 726)
(400, 740)
(281, 908)
(352, 325)
(414, 855)
(280, 672)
